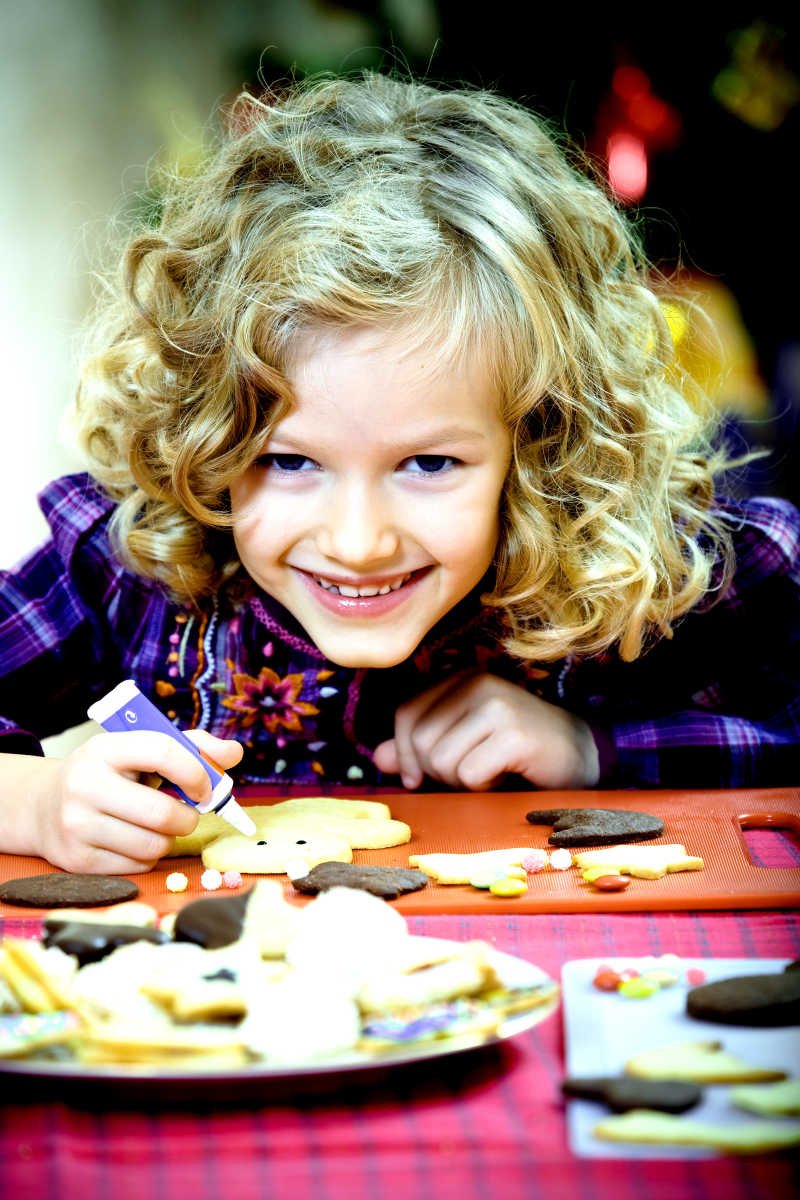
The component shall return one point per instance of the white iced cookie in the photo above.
(291, 1021)
(346, 934)
(269, 920)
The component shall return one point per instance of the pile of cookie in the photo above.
(250, 978)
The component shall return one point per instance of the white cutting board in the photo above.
(604, 1029)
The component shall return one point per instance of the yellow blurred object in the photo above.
(713, 346)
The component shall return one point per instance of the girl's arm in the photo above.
(90, 813)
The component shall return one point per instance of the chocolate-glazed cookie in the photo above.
(89, 941)
(621, 1093)
(58, 890)
(596, 826)
(212, 922)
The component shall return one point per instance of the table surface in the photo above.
(490, 1123)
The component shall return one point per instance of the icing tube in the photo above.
(126, 708)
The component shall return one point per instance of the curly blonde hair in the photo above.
(456, 217)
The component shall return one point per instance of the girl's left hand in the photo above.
(472, 729)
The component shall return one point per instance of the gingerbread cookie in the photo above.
(89, 941)
(388, 882)
(595, 826)
(757, 1000)
(60, 890)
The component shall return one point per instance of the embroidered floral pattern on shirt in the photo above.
(268, 701)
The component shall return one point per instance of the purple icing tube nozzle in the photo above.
(126, 708)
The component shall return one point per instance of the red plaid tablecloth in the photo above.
(473, 1127)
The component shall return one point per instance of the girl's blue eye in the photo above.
(429, 464)
(285, 462)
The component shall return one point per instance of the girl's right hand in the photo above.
(95, 815)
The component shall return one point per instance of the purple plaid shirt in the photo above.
(715, 706)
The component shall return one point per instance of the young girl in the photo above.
(390, 477)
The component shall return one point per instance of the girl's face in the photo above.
(373, 508)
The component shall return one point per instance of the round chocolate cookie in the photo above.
(58, 890)
(621, 1093)
(758, 1000)
(387, 882)
(596, 826)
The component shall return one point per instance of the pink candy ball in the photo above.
(534, 861)
(232, 879)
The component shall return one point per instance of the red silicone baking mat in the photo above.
(708, 823)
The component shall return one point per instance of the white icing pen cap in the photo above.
(236, 816)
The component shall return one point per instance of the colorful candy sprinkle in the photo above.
(296, 868)
(592, 873)
(211, 880)
(561, 860)
(695, 976)
(534, 861)
(611, 883)
(508, 887)
(486, 877)
(661, 976)
(177, 882)
(606, 979)
(637, 987)
(232, 879)
(20, 1031)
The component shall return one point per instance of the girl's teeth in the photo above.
(344, 589)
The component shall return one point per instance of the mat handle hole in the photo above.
(772, 839)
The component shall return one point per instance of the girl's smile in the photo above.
(373, 507)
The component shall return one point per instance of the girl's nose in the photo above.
(357, 528)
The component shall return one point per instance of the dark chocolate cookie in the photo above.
(388, 882)
(212, 922)
(595, 826)
(89, 941)
(58, 890)
(758, 1000)
(621, 1093)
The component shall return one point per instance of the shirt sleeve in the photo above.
(719, 704)
(53, 640)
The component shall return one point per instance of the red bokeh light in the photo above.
(627, 166)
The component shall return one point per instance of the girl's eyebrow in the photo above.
(422, 437)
